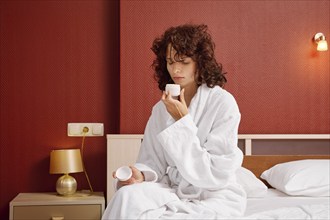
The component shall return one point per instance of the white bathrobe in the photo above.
(189, 165)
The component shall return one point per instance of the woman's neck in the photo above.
(189, 93)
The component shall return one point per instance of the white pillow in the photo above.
(250, 183)
(300, 178)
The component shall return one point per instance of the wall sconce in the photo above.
(322, 44)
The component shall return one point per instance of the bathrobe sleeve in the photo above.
(212, 164)
(151, 160)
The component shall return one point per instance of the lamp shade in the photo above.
(65, 161)
(322, 45)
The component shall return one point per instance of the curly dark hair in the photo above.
(193, 41)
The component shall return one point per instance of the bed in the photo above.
(275, 198)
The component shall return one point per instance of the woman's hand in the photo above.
(176, 108)
(137, 177)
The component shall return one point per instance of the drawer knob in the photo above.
(58, 218)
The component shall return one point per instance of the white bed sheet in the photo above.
(279, 206)
(275, 205)
(275, 199)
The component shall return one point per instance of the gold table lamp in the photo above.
(66, 161)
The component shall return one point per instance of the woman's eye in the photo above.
(169, 61)
(183, 61)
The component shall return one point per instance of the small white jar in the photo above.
(123, 173)
(174, 89)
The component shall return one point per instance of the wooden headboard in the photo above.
(122, 149)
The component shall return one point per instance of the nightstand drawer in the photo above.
(50, 206)
(48, 212)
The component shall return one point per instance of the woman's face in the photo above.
(181, 71)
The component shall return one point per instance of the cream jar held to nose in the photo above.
(174, 89)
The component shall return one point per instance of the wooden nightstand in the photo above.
(49, 206)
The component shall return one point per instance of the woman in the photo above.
(189, 155)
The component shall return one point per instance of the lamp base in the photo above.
(66, 185)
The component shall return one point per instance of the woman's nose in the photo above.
(176, 68)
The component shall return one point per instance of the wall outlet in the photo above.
(90, 129)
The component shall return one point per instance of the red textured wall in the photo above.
(59, 64)
(280, 82)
